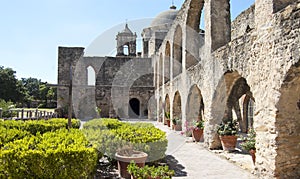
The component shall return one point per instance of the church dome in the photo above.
(166, 17)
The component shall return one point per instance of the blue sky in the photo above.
(32, 30)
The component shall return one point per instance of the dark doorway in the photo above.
(134, 110)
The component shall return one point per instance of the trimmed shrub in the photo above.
(59, 154)
(41, 126)
(110, 135)
(9, 135)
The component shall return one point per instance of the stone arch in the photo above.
(236, 87)
(194, 36)
(287, 126)
(167, 104)
(91, 76)
(161, 69)
(195, 106)
(177, 106)
(167, 62)
(160, 110)
(177, 51)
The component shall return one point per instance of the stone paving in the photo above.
(191, 160)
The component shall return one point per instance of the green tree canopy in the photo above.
(10, 88)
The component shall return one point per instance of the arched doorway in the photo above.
(195, 106)
(177, 107)
(177, 52)
(134, 108)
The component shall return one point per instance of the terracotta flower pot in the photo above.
(252, 153)
(197, 134)
(123, 161)
(168, 123)
(177, 127)
(228, 142)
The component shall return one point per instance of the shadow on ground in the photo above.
(174, 165)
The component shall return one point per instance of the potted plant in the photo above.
(125, 156)
(167, 115)
(177, 125)
(228, 134)
(249, 143)
(160, 172)
(197, 130)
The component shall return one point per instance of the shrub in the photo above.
(150, 172)
(249, 141)
(9, 135)
(110, 135)
(59, 154)
(41, 126)
(6, 106)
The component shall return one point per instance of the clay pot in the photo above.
(252, 153)
(228, 142)
(168, 123)
(123, 161)
(197, 134)
(177, 127)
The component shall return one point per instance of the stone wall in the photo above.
(266, 57)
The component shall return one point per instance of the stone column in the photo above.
(217, 23)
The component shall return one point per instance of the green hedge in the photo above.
(59, 154)
(41, 126)
(110, 135)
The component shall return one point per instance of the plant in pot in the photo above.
(197, 130)
(228, 134)
(159, 172)
(177, 125)
(125, 155)
(167, 115)
(249, 143)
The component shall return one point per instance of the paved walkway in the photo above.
(191, 160)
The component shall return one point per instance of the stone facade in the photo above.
(246, 70)
(123, 84)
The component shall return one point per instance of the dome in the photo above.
(166, 17)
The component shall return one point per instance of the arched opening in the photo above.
(177, 52)
(167, 62)
(194, 35)
(160, 69)
(287, 126)
(177, 107)
(126, 50)
(195, 106)
(156, 75)
(91, 76)
(167, 104)
(237, 89)
(134, 108)
(160, 111)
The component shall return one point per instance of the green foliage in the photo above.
(167, 115)
(152, 172)
(6, 106)
(8, 135)
(41, 126)
(228, 128)
(110, 135)
(249, 141)
(199, 124)
(10, 89)
(59, 154)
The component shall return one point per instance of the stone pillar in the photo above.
(67, 59)
(217, 23)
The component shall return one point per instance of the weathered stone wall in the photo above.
(243, 23)
(266, 56)
(121, 79)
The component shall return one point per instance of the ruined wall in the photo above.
(121, 79)
(263, 56)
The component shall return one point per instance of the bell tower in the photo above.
(126, 42)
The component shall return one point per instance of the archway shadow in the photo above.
(173, 164)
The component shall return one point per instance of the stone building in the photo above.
(247, 69)
(123, 84)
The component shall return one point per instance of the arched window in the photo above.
(91, 76)
(126, 50)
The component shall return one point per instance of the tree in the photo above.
(10, 88)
